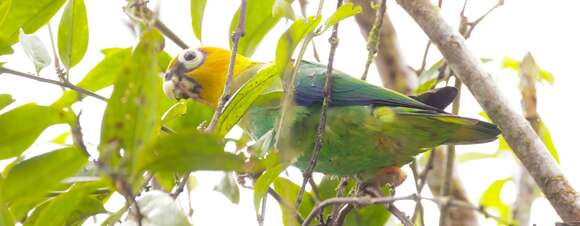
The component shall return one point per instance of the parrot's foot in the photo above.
(393, 176)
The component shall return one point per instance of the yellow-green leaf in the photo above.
(259, 21)
(73, 206)
(344, 11)
(25, 14)
(188, 151)
(546, 137)
(197, 9)
(133, 114)
(243, 98)
(288, 191)
(491, 198)
(102, 75)
(22, 125)
(5, 100)
(263, 183)
(229, 188)
(73, 33)
(283, 8)
(292, 37)
(44, 172)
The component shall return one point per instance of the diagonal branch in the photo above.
(327, 92)
(518, 133)
(236, 36)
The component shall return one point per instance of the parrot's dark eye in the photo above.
(189, 56)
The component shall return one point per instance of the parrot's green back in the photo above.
(368, 127)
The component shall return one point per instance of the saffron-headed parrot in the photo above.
(368, 128)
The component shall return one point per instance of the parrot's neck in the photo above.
(212, 75)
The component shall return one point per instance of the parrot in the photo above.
(368, 128)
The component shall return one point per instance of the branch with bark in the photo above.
(518, 133)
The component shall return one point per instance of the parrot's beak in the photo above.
(177, 85)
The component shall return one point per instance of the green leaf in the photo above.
(229, 188)
(35, 50)
(243, 98)
(291, 37)
(73, 206)
(371, 216)
(6, 217)
(176, 111)
(283, 8)
(510, 63)
(470, 156)
(195, 114)
(426, 86)
(5, 100)
(158, 208)
(22, 125)
(166, 179)
(546, 137)
(133, 114)
(102, 75)
(28, 15)
(491, 198)
(344, 11)
(263, 183)
(259, 21)
(61, 139)
(73, 33)
(45, 172)
(546, 76)
(188, 151)
(288, 191)
(197, 9)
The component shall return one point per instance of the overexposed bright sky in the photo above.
(548, 29)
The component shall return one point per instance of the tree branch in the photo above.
(236, 36)
(526, 186)
(58, 83)
(518, 133)
(327, 92)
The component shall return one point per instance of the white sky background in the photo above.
(546, 28)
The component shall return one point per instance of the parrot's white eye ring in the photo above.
(191, 59)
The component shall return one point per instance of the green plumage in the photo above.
(368, 127)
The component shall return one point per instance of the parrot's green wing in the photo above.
(348, 91)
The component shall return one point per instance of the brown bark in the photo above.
(529, 71)
(396, 74)
(518, 133)
(456, 216)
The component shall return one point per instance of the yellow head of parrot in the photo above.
(201, 73)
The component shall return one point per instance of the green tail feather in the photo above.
(470, 131)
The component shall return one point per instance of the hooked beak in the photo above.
(177, 85)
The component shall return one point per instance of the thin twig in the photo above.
(169, 34)
(334, 215)
(341, 214)
(449, 166)
(361, 201)
(366, 201)
(376, 192)
(373, 37)
(50, 81)
(327, 92)
(424, 60)
(262, 215)
(236, 36)
(181, 186)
